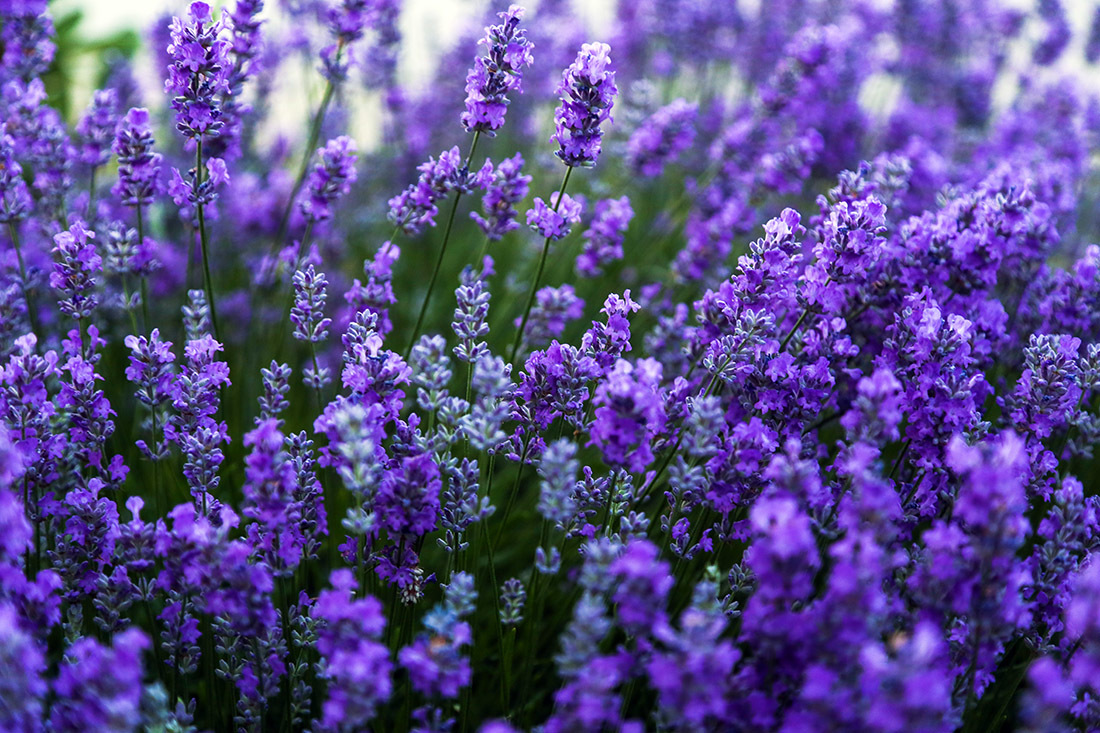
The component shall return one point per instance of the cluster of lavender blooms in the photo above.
(780, 413)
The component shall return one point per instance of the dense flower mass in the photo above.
(783, 418)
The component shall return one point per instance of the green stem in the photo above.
(208, 282)
(538, 275)
(510, 502)
(307, 155)
(144, 286)
(91, 193)
(129, 308)
(442, 252)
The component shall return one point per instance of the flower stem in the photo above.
(143, 285)
(207, 280)
(442, 252)
(538, 275)
(307, 155)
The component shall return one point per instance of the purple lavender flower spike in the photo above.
(355, 663)
(508, 188)
(15, 199)
(330, 179)
(96, 128)
(493, 76)
(75, 270)
(603, 242)
(553, 222)
(197, 72)
(138, 166)
(587, 94)
(661, 139)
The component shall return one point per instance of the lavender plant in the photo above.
(782, 417)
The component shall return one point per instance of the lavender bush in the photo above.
(767, 397)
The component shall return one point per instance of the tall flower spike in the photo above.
(75, 270)
(138, 165)
(196, 72)
(97, 126)
(496, 74)
(587, 93)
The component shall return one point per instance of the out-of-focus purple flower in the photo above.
(99, 687)
(630, 413)
(661, 139)
(330, 179)
(554, 308)
(554, 221)
(603, 242)
(96, 128)
(435, 663)
(15, 199)
(587, 94)
(356, 665)
(493, 76)
(509, 187)
(26, 39)
(22, 663)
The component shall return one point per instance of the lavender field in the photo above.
(688, 366)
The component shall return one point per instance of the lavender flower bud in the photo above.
(558, 469)
(604, 239)
(553, 222)
(307, 315)
(661, 138)
(75, 269)
(138, 166)
(197, 72)
(493, 76)
(96, 128)
(508, 188)
(587, 93)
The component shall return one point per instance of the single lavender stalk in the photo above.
(15, 204)
(496, 74)
(551, 231)
(587, 94)
(463, 174)
(487, 85)
(138, 177)
(197, 78)
(95, 131)
(310, 324)
(151, 370)
(348, 22)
